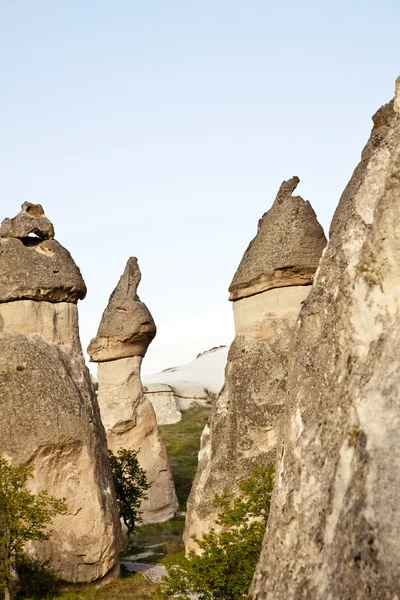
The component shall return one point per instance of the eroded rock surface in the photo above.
(286, 249)
(125, 332)
(127, 327)
(335, 520)
(246, 418)
(30, 220)
(50, 418)
(37, 269)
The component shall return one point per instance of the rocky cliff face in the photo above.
(49, 413)
(335, 520)
(272, 281)
(125, 332)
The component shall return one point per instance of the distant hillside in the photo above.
(179, 388)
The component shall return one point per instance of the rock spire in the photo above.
(273, 279)
(125, 332)
(334, 525)
(49, 415)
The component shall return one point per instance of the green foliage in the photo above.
(23, 516)
(130, 486)
(182, 441)
(224, 569)
(128, 587)
(35, 580)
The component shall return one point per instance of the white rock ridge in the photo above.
(179, 388)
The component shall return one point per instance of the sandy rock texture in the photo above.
(164, 402)
(335, 520)
(127, 327)
(246, 418)
(286, 249)
(50, 418)
(125, 332)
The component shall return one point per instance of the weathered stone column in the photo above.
(49, 415)
(125, 332)
(272, 280)
(334, 527)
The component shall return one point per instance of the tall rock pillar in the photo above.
(49, 415)
(125, 332)
(269, 286)
(334, 527)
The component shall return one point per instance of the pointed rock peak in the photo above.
(286, 250)
(129, 282)
(286, 190)
(127, 327)
(36, 267)
(30, 220)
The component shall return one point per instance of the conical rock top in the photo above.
(36, 267)
(127, 327)
(286, 250)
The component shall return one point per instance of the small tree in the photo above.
(130, 486)
(23, 516)
(224, 569)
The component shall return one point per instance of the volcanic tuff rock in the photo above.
(125, 332)
(127, 327)
(334, 526)
(178, 389)
(31, 219)
(50, 418)
(246, 418)
(286, 249)
(36, 268)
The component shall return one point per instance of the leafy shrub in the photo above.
(225, 567)
(35, 580)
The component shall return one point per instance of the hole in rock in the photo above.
(30, 241)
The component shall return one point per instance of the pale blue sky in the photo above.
(162, 129)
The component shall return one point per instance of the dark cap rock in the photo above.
(286, 250)
(36, 268)
(31, 219)
(127, 327)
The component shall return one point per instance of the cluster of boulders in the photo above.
(50, 415)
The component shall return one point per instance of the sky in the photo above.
(163, 129)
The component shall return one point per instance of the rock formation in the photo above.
(125, 332)
(334, 527)
(49, 413)
(178, 389)
(272, 280)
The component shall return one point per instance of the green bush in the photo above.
(225, 567)
(34, 579)
(130, 487)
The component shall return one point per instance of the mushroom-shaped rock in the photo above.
(31, 219)
(286, 250)
(268, 290)
(127, 327)
(36, 268)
